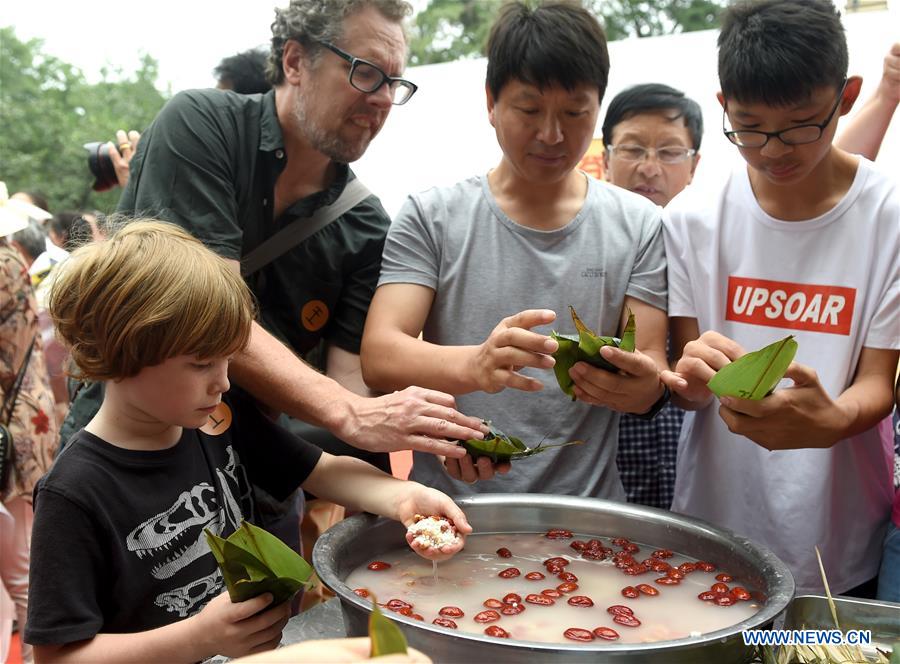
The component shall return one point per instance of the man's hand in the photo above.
(796, 417)
(332, 651)
(469, 471)
(633, 390)
(699, 362)
(509, 347)
(241, 628)
(121, 154)
(411, 419)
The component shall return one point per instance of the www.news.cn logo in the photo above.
(806, 637)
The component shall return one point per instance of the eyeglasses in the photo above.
(674, 154)
(799, 135)
(368, 78)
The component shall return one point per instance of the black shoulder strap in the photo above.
(300, 229)
(9, 403)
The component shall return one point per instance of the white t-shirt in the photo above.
(834, 283)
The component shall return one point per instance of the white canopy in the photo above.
(443, 134)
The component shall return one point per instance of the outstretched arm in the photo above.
(393, 355)
(867, 128)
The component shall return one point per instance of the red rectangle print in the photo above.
(788, 305)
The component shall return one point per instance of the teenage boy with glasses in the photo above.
(802, 240)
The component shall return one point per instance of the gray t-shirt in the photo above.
(483, 266)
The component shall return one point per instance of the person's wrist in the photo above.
(656, 406)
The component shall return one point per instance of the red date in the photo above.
(667, 581)
(606, 633)
(503, 552)
(707, 596)
(512, 598)
(541, 600)
(704, 566)
(417, 616)
(512, 609)
(551, 592)
(578, 634)
(628, 621)
(567, 576)
(493, 603)
(487, 616)
(534, 576)
(451, 612)
(567, 587)
(662, 553)
(444, 622)
(378, 565)
(556, 561)
(741, 594)
(630, 592)
(509, 573)
(647, 589)
(619, 609)
(497, 631)
(719, 588)
(581, 600)
(724, 578)
(558, 533)
(396, 604)
(724, 600)
(362, 592)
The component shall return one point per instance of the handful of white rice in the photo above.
(433, 531)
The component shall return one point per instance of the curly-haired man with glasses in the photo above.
(251, 175)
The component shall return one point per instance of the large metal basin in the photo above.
(357, 540)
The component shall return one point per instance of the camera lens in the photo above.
(101, 166)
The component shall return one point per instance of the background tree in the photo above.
(448, 30)
(48, 111)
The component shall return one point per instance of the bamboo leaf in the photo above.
(755, 375)
(386, 637)
(254, 562)
(502, 448)
(585, 347)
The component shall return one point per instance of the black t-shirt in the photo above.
(118, 543)
(209, 162)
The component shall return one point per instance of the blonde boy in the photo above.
(120, 568)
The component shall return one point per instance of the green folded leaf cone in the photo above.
(499, 447)
(585, 347)
(754, 375)
(386, 637)
(254, 562)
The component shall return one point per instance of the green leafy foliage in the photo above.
(386, 637)
(448, 30)
(755, 375)
(502, 448)
(585, 347)
(254, 562)
(48, 111)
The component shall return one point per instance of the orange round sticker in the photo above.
(314, 315)
(218, 421)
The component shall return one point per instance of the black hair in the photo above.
(38, 199)
(61, 223)
(648, 97)
(31, 239)
(244, 72)
(778, 53)
(556, 43)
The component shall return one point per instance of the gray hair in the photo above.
(32, 239)
(311, 21)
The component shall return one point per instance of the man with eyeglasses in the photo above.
(651, 135)
(239, 170)
(801, 240)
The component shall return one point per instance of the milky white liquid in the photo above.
(471, 577)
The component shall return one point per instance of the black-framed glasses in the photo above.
(368, 78)
(673, 154)
(799, 135)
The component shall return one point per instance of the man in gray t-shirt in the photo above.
(482, 268)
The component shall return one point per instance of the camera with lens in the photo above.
(101, 166)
